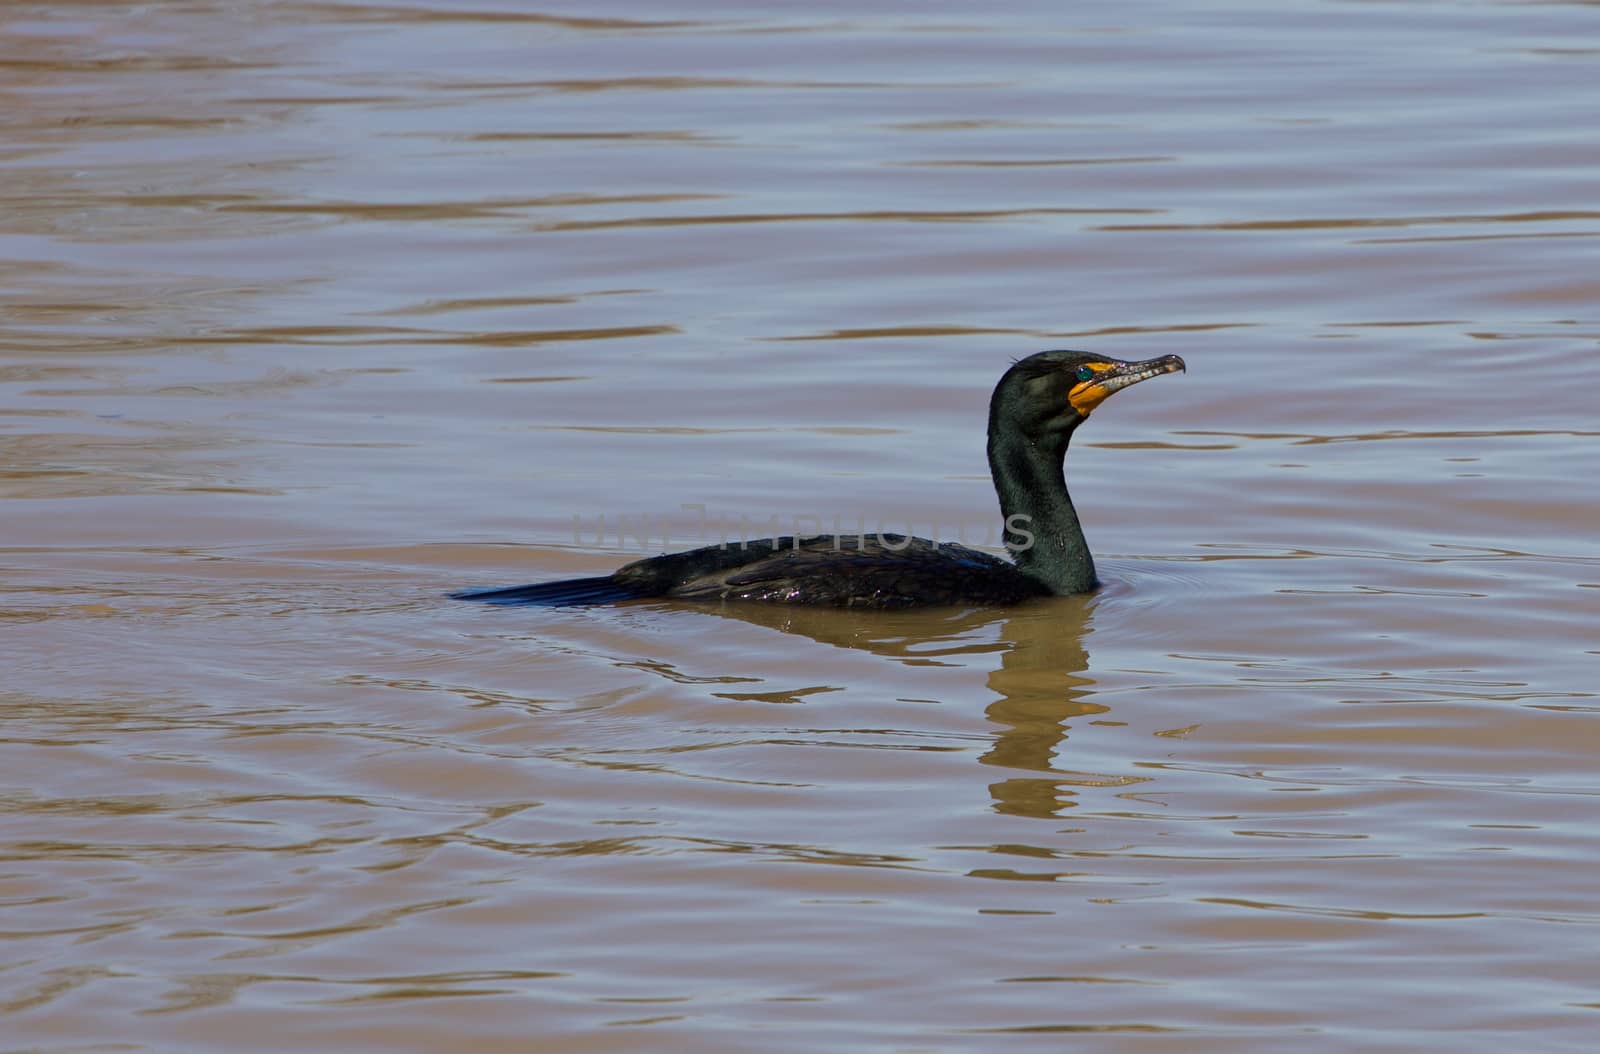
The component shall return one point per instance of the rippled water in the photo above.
(312, 312)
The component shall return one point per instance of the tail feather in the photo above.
(565, 593)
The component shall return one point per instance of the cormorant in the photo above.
(1036, 407)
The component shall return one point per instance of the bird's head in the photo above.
(1051, 393)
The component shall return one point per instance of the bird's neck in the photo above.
(1041, 526)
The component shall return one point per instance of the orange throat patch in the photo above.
(1086, 395)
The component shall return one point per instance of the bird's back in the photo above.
(832, 570)
(824, 570)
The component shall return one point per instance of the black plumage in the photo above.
(1033, 413)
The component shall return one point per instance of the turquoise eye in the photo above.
(1085, 373)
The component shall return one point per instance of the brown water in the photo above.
(315, 311)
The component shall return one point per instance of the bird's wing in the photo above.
(866, 572)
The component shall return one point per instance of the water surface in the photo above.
(312, 312)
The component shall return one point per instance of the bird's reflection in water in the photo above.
(1040, 687)
(1039, 681)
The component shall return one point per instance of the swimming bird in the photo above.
(1037, 406)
